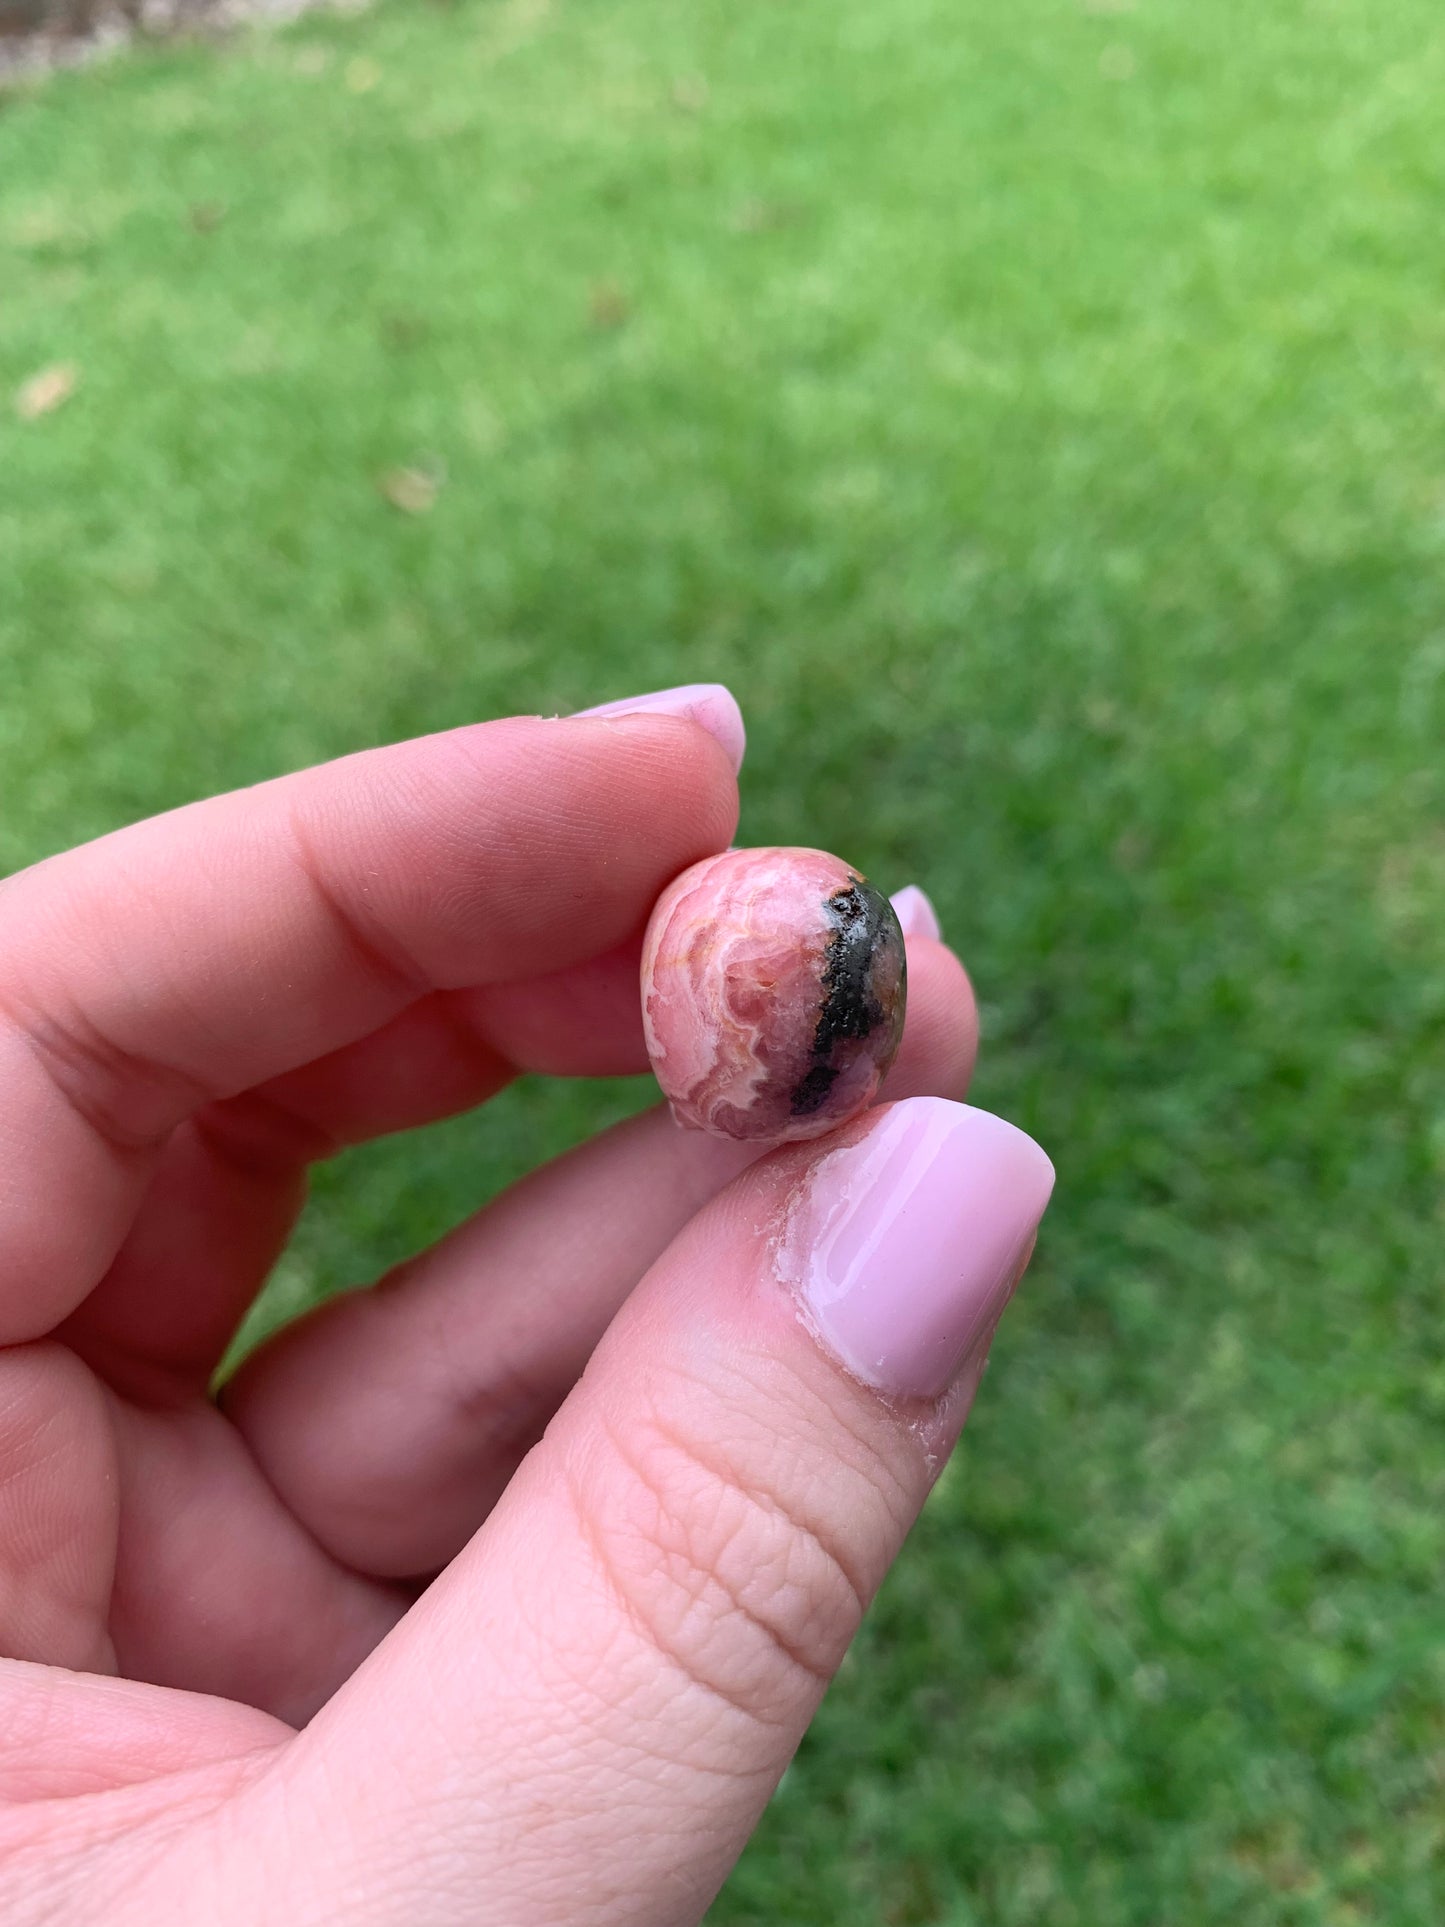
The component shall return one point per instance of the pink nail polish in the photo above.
(710, 704)
(903, 1245)
(916, 914)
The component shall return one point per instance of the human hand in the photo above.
(350, 1643)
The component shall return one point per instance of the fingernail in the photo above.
(711, 704)
(903, 1246)
(915, 913)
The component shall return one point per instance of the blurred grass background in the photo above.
(1037, 414)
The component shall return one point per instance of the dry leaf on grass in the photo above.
(46, 391)
(691, 93)
(1118, 63)
(607, 305)
(412, 490)
(759, 216)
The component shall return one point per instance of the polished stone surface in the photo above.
(773, 992)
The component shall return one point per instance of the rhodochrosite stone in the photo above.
(773, 987)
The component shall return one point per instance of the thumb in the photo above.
(583, 1718)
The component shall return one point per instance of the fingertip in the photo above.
(940, 1034)
(711, 705)
(904, 1244)
(585, 1021)
(916, 914)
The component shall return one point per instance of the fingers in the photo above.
(618, 1667)
(149, 1543)
(65, 1734)
(230, 1184)
(218, 1588)
(58, 1511)
(446, 1053)
(228, 1188)
(940, 1032)
(391, 1420)
(202, 953)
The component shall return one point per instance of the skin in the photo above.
(359, 1642)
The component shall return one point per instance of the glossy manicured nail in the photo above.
(710, 704)
(903, 1245)
(915, 913)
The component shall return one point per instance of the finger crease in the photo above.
(261, 1137)
(473, 1044)
(761, 1496)
(131, 1102)
(647, 1631)
(396, 969)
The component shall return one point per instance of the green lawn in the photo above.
(1037, 412)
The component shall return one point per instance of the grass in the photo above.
(1036, 412)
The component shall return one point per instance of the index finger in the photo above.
(198, 953)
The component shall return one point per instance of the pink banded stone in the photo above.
(773, 988)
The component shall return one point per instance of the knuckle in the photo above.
(372, 946)
(262, 1136)
(738, 1571)
(130, 1101)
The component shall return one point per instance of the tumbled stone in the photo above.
(773, 992)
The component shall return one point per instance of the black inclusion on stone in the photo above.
(861, 918)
